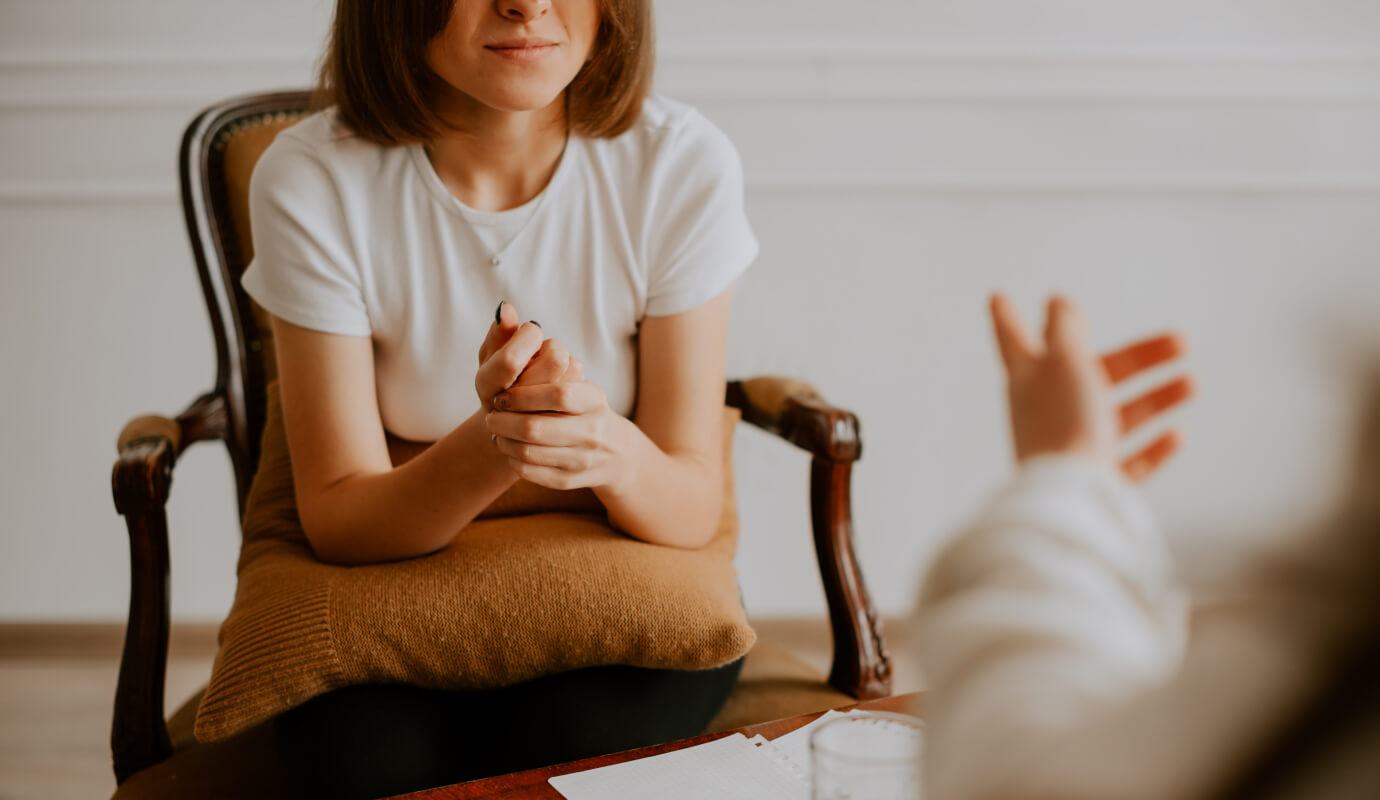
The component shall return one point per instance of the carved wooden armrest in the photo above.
(797, 412)
(142, 480)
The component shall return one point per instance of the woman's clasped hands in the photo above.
(554, 427)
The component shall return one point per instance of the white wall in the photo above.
(1212, 167)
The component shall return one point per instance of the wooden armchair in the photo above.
(154, 757)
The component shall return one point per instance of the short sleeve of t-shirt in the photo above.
(304, 269)
(701, 240)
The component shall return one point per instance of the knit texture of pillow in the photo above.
(539, 584)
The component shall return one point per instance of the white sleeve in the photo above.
(305, 270)
(1055, 607)
(700, 239)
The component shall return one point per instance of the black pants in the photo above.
(377, 740)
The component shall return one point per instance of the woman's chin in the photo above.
(521, 99)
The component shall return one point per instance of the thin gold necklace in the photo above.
(496, 256)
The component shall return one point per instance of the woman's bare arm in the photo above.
(674, 495)
(355, 506)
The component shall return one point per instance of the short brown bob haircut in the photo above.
(375, 72)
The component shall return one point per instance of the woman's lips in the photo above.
(522, 51)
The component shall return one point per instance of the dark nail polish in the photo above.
(498, 312)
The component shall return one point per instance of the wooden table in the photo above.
(532, 785)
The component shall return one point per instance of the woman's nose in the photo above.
(522, 10)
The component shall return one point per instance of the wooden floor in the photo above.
(57, 685)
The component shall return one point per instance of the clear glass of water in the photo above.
(872, 756)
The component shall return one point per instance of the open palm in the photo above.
(1062, 396)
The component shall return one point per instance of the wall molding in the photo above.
(795, 50)
(48, 194)
(822, 72)
(65, 192)
(59, 88)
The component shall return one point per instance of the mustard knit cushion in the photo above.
(539, 584)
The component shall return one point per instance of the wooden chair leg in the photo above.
(862, 665)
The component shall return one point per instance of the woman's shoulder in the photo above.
(662, 114)
(319, 143)
(669, 136)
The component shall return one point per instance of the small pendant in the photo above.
(494, 260)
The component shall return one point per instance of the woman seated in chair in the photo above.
(475, 155)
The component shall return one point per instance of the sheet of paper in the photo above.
(730, 768)
(796, 744)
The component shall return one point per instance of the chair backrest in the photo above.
(219, 151)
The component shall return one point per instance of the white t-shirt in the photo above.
(357, 239)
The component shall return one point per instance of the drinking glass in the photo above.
(867, 756)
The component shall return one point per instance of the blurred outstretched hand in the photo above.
(1062, 395)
